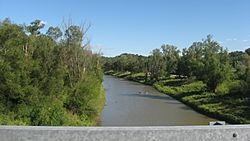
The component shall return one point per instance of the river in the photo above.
(133, 104)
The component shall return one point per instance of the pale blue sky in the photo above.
(138, 26)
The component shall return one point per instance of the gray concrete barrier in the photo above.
(154, 133)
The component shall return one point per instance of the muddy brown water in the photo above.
(133, 104)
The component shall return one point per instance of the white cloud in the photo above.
(246, 47)
(245, 40)
(235, 39)
(43, 23)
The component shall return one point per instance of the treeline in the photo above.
(205, 60)
(48, 79)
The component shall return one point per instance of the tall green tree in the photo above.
(171, 58)
(156, 65)
(54, 33)
(35, 26)
(217, 68)
(191, 63)
(238, 62)
(74, 35)
(207, 61)
(247, 64)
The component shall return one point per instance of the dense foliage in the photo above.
(47, 79)
(205, 61)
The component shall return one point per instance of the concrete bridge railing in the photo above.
(154, 133)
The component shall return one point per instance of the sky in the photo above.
(139, 26)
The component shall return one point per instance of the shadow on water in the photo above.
(186, 108)
(131, 83)
(149, 96)
(168, 99)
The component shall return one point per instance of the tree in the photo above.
(74, 35)
(246, 77)
(191, 62)
(35, 26)
(171, 58)
(156, 65)
(248, 51)
(54, 33)
(238, 62)
(248, 70)
(5, 21)
(217, 68)
(44, 82)
(207, 61)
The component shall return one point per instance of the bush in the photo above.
(9, 119)
(110, 72)
(235, 86)
(48, 113)
(197, 86)
(164, 89)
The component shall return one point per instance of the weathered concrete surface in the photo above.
(170, 133)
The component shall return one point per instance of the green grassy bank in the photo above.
(231, 107)
(99, 102)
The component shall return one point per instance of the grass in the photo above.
(231, 106)
(100, 102)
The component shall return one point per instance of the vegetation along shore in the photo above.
(48, 79)
(204, 76)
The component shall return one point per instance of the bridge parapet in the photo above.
(153, 133)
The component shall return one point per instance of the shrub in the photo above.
(48, 113)
(235, 86)
(164, 89)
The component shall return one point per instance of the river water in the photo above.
(133, 104)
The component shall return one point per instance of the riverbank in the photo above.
(100, 102)
(232, 108)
